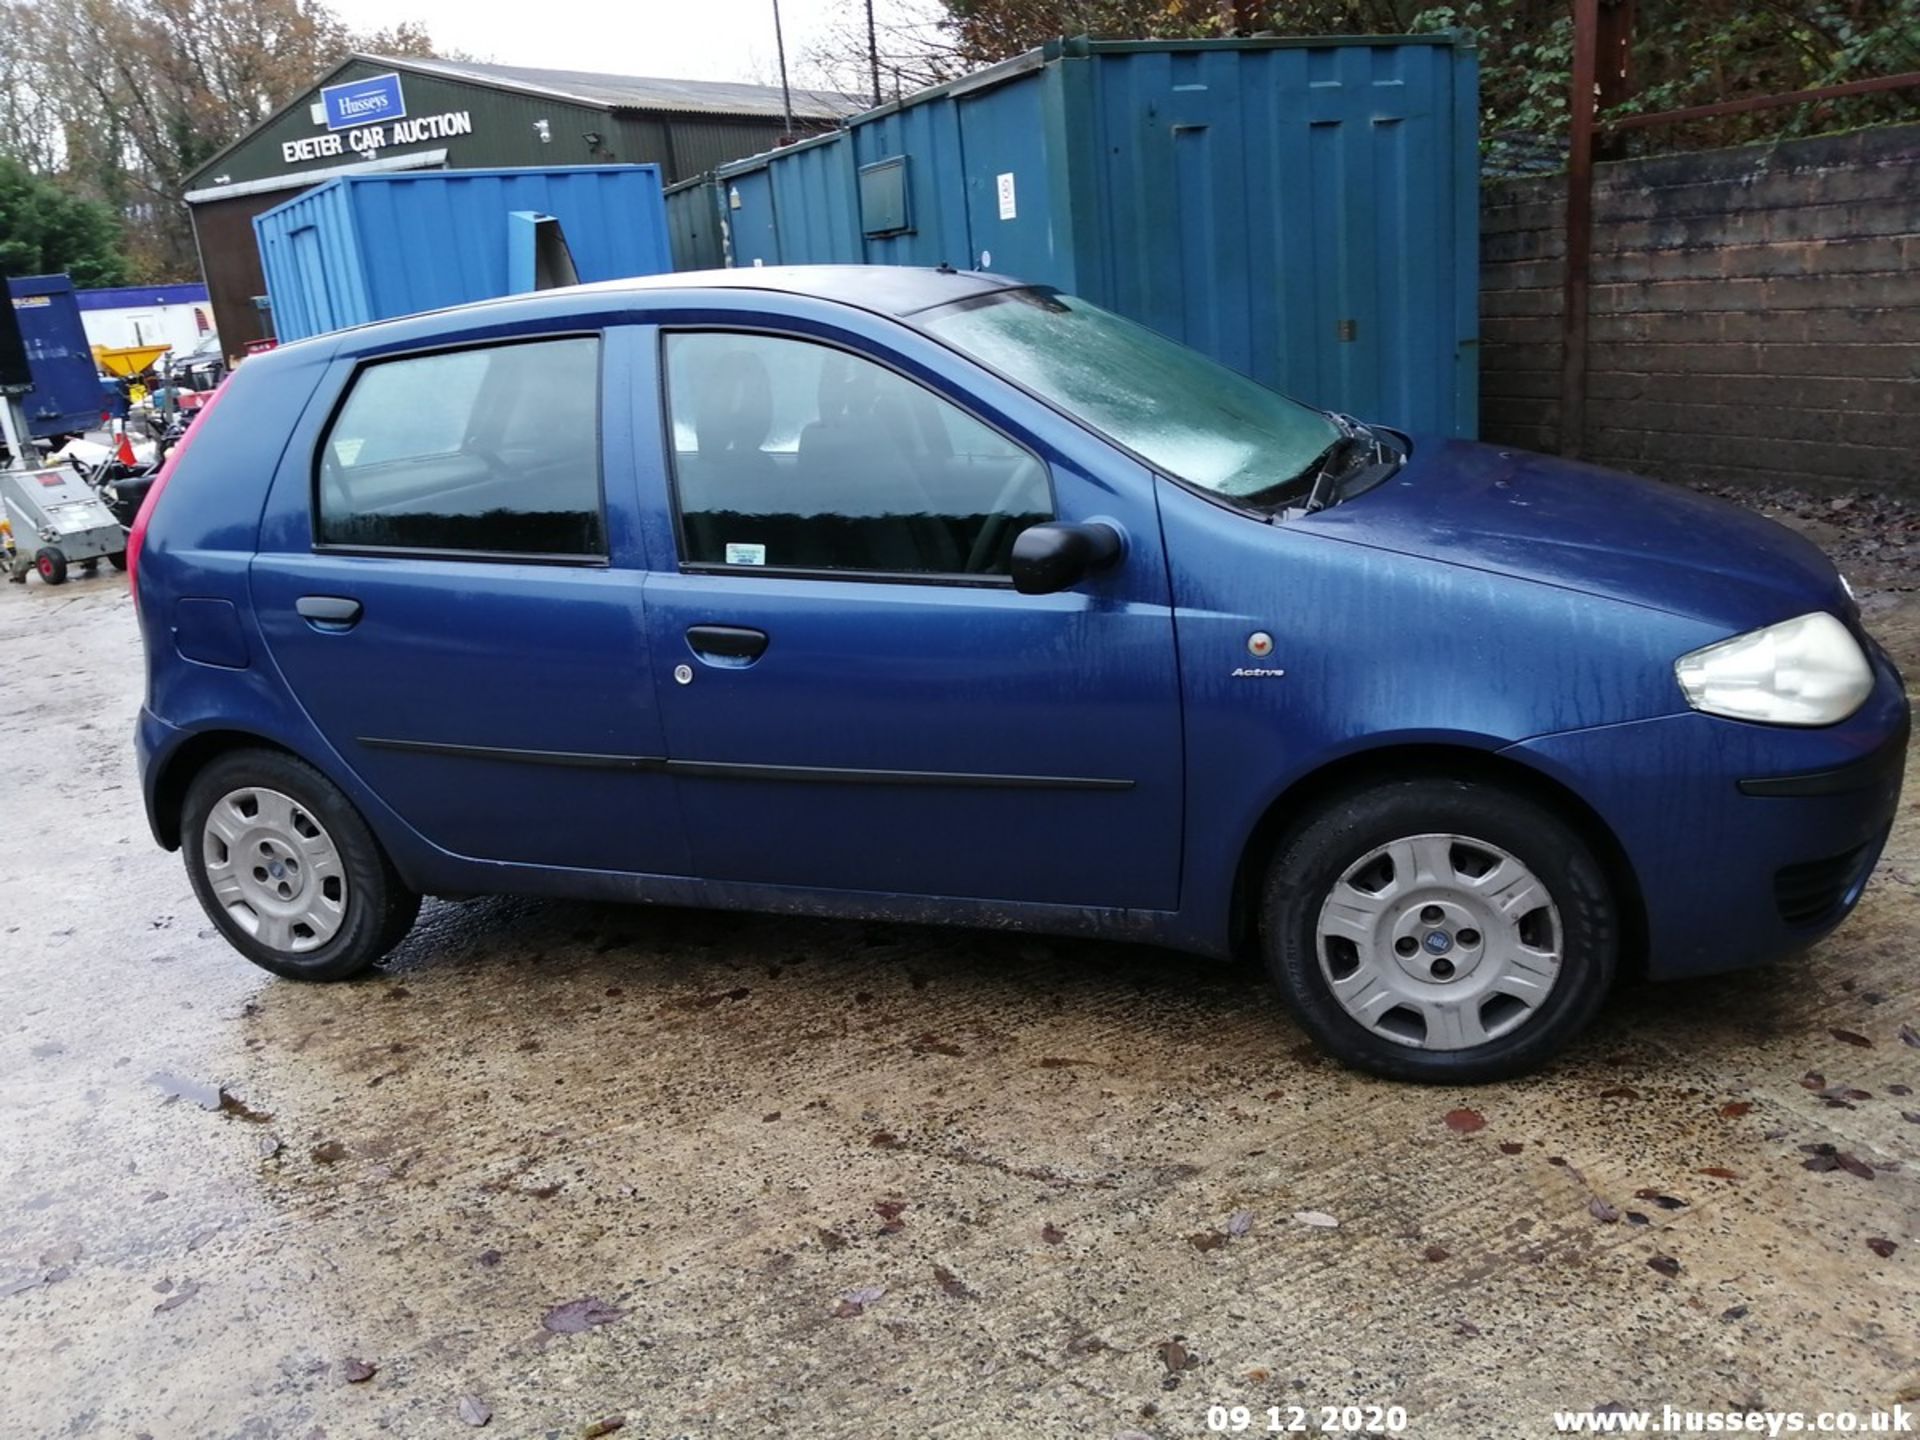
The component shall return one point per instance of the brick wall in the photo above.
(1755, 313)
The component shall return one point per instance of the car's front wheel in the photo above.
(1439, 930)
(286, 868)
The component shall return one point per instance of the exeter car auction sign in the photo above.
(363, 117)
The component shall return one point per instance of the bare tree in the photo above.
(123, 99)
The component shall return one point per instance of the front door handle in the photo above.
(727, 644)
(328, 612)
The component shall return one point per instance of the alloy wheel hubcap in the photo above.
(275, 870)
(1439, 942)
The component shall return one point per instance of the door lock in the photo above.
(683, 674)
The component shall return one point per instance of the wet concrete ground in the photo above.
(843, 1179)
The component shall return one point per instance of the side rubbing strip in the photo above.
(569, 759)
(725, 770)
(835, 775)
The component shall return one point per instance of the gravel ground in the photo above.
(737, 1175)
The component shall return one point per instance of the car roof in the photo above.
(898, 290)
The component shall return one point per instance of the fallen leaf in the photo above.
(1602, 1211)
(1820, 1163)
(357, 1372)
(1317, 1218)
(1433, 1254)
(328, 1152)
(1854, 1165)
(1665, 1264)
(1733, 1313)
(1511, 1147)
(1665, 1202)
(1912, 1117)
(884, 1140)
(1902, 1090)
(1909, 1036)
(1208, 1240)
(1733, 1110)
(1851, 1037)
(604, 1427)
(1882, 1247)
(1466, 1328)
(188, 1289)
(1813, 1080)
(1175, 1357)
(1719, 1172)
(855, 1302)
(952, 1283)
(931, 1044)
(833, 1240)
(1240, 1222)
(1060, 1062)
(1634, 1217)
(475, 1411)
(489, 1258)
(889, 1212)
(1052, 1233)
(578, 1316)
(1465, 1122)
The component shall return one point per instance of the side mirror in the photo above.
(1057, 556)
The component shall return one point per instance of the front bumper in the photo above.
(1749, 842)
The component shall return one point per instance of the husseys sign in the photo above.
(363, 117)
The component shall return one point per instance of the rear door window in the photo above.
(494, 450)
(800, 456)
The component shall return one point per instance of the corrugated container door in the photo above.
(1296, 211)
(751, 223)
(1010, 219)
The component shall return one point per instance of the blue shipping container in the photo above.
(1306, 211)
(67, 396)
(694, 225)
(372, 247)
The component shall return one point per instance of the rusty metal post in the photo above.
(1573, 300)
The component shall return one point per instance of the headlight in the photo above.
(1807, 671)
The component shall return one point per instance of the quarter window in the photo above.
(794, 455)
(494, 450)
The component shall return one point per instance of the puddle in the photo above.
(211, 1098)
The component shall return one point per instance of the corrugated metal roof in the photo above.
(636, 92)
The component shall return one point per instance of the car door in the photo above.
(854, 695)
(458, 606)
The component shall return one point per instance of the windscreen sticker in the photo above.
(347, 450)
(741, 553)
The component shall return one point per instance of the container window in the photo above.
(883, 197)
(799, 456)
(494, 450)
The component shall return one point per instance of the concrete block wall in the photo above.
(1755, 313)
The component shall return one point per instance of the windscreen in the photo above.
(1185, 414)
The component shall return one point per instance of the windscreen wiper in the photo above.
(1356, 446)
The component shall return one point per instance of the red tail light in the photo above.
(137, 536)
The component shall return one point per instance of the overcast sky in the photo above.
(685, 39)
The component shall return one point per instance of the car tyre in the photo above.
(51, 562)
(118, 559)
(1370, 904)
(288, 871)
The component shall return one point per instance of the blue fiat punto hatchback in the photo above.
(932, 596)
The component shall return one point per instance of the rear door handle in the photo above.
(727, 644)
(328, 612)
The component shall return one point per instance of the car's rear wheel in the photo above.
(285, 867)
(51, 562)
(1439, 930)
